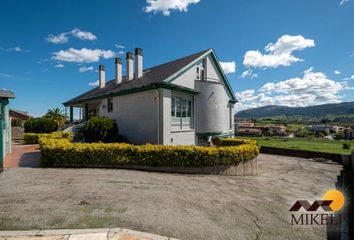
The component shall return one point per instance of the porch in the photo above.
(82, 112)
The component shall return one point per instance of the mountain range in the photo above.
(345, 108)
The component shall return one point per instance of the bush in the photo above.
(33, 138)
(40, 125)
(61, 152)
(346, 145)
(100, 130)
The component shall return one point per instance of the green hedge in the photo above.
(40, 125)
(61, 152)
(33, 138)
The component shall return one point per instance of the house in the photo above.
(183, 102)
(321, 128)
(277, 130)
(249, 131)
(5, 126)
(349, 133)
(243, 123)
(18, 120)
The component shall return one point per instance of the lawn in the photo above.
(328, 146)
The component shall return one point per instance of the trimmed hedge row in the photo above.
(62, 152)
(33, 138)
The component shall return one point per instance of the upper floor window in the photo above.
(181, 112)
(110, 105)
(201, 70)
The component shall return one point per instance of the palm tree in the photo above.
(57, 115)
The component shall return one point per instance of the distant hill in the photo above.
(345, 108)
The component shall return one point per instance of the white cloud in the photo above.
(93, 84)
(59, 65)
(5, 75)
(119, 46)
(342, 2)
(349, 78)
(86, 69)
(337, 72)
(279, 53)
(228, 67)
(82, 55)
(312, 89)
(166, 6)
(64, 37)
(83, 35)
(249, 74)
(57, 39)
(13, 49)
(352, 55)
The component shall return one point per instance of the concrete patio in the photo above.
(194, 207)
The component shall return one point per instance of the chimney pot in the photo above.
(129, 66)
(138, 63)
(101, 76)
(118, 64)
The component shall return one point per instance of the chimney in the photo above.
(118, 78)
(138, 63)
(101, 76)
(129, 65)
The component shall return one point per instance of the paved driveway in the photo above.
(23, 156)
(194, 207)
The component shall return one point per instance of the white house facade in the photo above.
(182, 102)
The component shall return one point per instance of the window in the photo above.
(110, 105)
(200, 71)
(181, 113)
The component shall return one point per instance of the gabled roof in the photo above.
(160, 76)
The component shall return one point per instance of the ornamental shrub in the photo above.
(100, 129)
(62, 152)
(40, 125)
(33, 138)
(346, 145)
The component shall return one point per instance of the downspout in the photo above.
(158, 114)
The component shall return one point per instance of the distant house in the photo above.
(18, 120)
(349, 133)
(278, 130)
(249, 131)
(244, 123)
(183, 102)
(5, 125)
(320, 128)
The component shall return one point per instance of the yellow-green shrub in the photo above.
(33, 138)
(61, 152)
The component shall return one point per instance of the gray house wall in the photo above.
(136, 116)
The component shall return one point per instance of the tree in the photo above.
(56, 115)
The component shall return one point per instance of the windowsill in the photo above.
(182, 130)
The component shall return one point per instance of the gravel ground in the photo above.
(194, 207)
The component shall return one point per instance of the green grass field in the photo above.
(328, 146)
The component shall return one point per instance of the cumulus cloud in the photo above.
(93, 84)
(349, 78)
(249, 74)
(342, 2)
(337, 72)
(60, 65)
(86, 69)
(166, 6)
(65, 36)
(279, 53)
(312, 89)
(82, 55)
(228, 67)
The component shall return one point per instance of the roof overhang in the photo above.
(163, 85)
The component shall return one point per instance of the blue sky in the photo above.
(294, 53)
